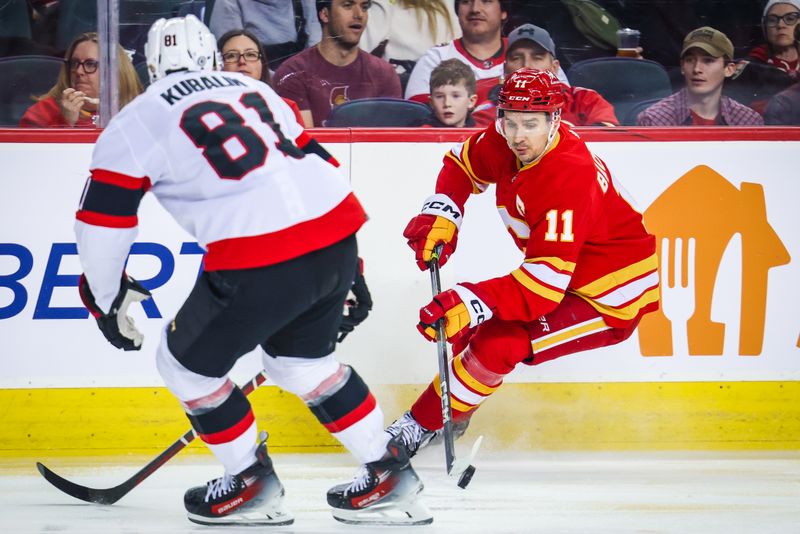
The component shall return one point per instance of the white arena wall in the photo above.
(718, 367)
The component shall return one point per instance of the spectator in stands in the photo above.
(532, 47)
(242, 52)
(784, 108)
(453, 95)
(706, 61)
(74, 99)
(400, 31)
(336, 70)
(283, 28)
(481, 47)
(782, 49)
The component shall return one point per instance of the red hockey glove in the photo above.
(438, 222)
(115, 325)
(460, 307)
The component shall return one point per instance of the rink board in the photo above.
(726, 378)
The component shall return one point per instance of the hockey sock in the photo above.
(470, 384)
(224, 421)
(339, 399)
(345, 406)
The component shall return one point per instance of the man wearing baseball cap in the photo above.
(706, 61)
(531, 46)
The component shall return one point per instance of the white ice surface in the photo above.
(514, 493)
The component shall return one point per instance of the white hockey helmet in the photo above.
(181, 43)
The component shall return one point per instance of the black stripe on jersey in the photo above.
(111, 199)
(349, 397)
(224, 416)
(313, 147)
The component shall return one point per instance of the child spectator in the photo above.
(706, 61)
(452, 95)
(74, 100)
(532, 47)
(335, 71)
(781, 49)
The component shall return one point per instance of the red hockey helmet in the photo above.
(532, 90)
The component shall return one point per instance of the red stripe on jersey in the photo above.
(268, 249)
(361, 411)
(121, 180)
(483, 64)
(109, 221)
(229, 434)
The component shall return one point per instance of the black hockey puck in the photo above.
(466, 477)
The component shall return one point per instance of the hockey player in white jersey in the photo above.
(225, 156)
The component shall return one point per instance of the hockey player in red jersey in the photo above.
(224, 154)
(589, 274)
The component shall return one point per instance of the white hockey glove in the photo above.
(116, 325)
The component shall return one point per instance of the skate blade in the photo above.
(411, 513)
(254, 518)
(461, 465)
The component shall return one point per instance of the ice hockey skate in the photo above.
(412, 435)
(252, 497)
(385, 492)
(416, 437)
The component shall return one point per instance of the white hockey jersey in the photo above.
(487, 73)
(223, 154)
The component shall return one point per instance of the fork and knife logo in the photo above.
(716, 248)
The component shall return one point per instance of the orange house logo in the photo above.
(695, 221)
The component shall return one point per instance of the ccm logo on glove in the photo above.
(460, 307)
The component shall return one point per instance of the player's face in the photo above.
(528, 54)
(526, 133)
(479, 18)
(245, 48)
(346, 20)
(780, 34)
(80, 80)
(451, 104)
(704, 74)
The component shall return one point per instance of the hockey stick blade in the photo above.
(463, 468)
(112, 495)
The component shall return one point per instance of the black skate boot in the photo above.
(253, 497)
(413, 435)
(384, 492)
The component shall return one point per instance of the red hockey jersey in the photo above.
(564, 212)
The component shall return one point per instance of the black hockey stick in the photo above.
(112, 495)
(463, 469)
(444, 367)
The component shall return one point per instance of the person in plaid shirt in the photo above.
(706, 61)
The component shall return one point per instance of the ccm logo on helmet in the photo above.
(519, 98)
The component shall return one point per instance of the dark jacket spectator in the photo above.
(784, 108)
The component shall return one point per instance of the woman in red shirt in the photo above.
(74, 100)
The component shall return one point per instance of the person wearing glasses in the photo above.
(782, 49)
(242, 52)
(74, 100)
